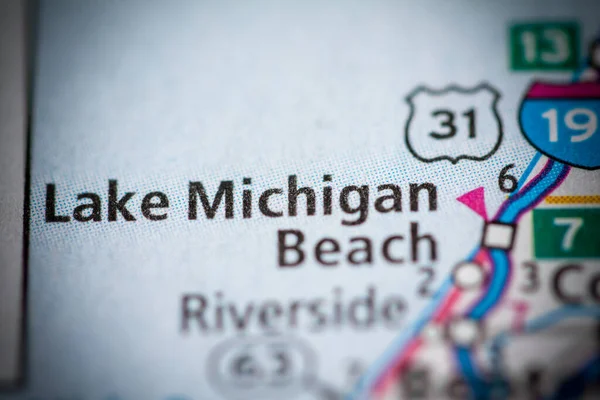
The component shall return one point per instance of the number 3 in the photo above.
(447, 123)
(533, 280)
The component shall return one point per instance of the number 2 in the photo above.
(588, 127)
(424, 287)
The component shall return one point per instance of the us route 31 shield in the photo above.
(453, 123)
(561, 121)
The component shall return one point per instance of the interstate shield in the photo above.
(561, 121)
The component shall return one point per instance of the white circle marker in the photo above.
(468, 276)
(432, 333)
(464, 332)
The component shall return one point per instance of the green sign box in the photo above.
(544, 46)
(566, 233)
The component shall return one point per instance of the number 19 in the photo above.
(588, 128)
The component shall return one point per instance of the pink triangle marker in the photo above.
(475, 200)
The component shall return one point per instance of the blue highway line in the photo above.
(573, 383)
(574, 387)
(501, 262)
(535, 193)
(478, 385)
(368, 379)
(548, 320)
(528, 171)
(500, 259)
(515, 207)
(494, 291)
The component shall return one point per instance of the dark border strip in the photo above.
(30, 32)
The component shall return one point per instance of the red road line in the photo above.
(399, 366)
(446, 308)
(440, 316)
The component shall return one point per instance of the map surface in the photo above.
(314, 200)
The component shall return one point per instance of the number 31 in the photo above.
(588, 128)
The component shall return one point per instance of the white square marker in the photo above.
(497, 235)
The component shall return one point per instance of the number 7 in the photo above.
(573, 225)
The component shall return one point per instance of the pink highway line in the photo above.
(575, 90)
(399, 365)
(446, 309)
(404, 357)
(443, 313)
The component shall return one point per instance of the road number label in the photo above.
(588, 125)
(573, 225)
(544, 46)
(566, 233)
(561, 121)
